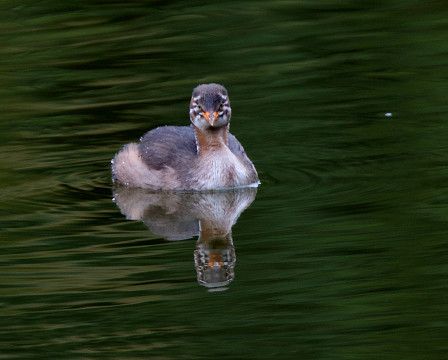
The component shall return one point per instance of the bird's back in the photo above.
(175, 146)
(172, 146)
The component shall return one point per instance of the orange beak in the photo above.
(211, 117)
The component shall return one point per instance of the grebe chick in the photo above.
(203, 156)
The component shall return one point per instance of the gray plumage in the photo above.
(175, 146)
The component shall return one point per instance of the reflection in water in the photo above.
(181, 215)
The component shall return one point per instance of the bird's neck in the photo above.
(211, 139)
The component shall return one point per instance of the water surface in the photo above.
(340, 105)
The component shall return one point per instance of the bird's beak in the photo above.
(211, 117)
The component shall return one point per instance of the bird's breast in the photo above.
(220, 168)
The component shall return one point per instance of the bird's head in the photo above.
(210, 106)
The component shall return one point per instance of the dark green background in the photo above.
(344, 252)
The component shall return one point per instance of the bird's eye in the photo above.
(221, 106)
(199, 108)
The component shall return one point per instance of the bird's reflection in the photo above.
(182, 215)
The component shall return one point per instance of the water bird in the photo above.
(202, 156)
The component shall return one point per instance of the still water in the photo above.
(342, 251)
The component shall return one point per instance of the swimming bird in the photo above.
(203, 156)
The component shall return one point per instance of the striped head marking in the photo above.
(210, 106)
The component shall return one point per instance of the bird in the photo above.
(202, 156)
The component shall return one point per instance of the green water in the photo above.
(341, 105)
